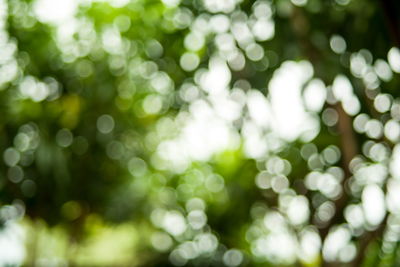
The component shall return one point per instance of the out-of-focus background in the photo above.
(199, 133)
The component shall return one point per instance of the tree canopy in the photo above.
(200, 133)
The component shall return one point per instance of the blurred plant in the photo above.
(202, 133)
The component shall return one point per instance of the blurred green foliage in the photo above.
(201, 133)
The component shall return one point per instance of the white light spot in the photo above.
(270, 246)
(215, 6)
(336, 240)
(189, 61)
(262, 9)
(217, 77)
(197, 219)
(290, 120)
(31, 88)
(254, 52)
(342, 88)
(330, 117)
(242, 33)
(383, 102)
(383, 70)
(171, 3)
(259, 108)
(360, 123)
(174, 223)
(206, 242)
(395, 162)
(392, 130)
(279, 183)
(315, 95)
(64, 138)
(105, 124)
(194, 41)
(310, 245)
(161, 241)
(233, 257)
(393, 196)
(11, 156)
(152, 104)
(214, 183)
(263, 180)
(373, 203)
(338, 44)
(354, 215)
(299, 2)
(219, 23)
(394, 59)
(55, 11)
(12, 251)
(195, 204)
(237, 61)
(263, 29)
(298, 211)
(352, 105)
(374, 128)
